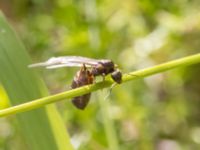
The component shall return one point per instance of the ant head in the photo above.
(117, 76)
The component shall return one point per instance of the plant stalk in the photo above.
(182, 62)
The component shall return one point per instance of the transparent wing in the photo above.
(67, 61)
(79, 59)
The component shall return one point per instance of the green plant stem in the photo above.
(182, 62)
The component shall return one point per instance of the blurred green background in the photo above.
(160, 112)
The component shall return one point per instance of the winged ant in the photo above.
(90, 68)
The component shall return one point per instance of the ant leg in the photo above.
(94, 79)
(110, 90)
(103, 76)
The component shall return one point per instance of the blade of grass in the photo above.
(42, 128)
(108, 123)
(182, 62)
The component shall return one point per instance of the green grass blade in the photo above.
(42, 128)
(182, 62)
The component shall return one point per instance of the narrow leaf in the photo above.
(42, 128)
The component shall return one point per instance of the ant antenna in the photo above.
(133, 75)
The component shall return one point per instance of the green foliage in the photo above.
(41, 128)
(159, 112)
